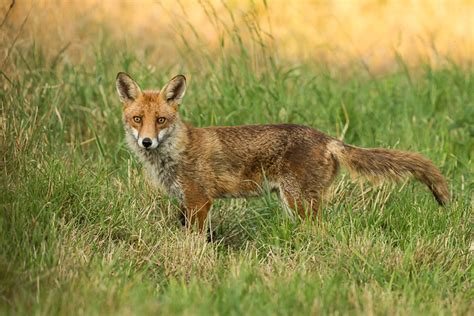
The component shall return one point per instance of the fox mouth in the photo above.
(148, 149)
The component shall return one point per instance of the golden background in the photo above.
(376, 34)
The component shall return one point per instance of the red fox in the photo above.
(198, 165)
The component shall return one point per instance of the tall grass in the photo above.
(83, 232)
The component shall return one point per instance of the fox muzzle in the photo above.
(147, 142)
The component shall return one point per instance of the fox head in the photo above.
(150, 116)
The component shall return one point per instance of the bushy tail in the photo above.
(395, 165)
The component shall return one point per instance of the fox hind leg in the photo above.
(306, 204)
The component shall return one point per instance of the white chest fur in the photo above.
(161, 164)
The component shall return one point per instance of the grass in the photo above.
(83, 232)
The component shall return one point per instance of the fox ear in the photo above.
(128, 90)
(175, 89)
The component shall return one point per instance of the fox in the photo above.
(196, 165)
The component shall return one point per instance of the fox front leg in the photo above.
(182, 214)
(183, 218)
(194, 212)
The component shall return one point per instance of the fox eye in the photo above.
(137, 119)
(161, 120)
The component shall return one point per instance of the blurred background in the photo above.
(376, 34)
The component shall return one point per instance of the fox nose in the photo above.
(146, 142)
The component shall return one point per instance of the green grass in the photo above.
(83, 232)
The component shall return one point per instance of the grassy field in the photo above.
(83, 232)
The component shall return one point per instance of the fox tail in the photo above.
(378, 163)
